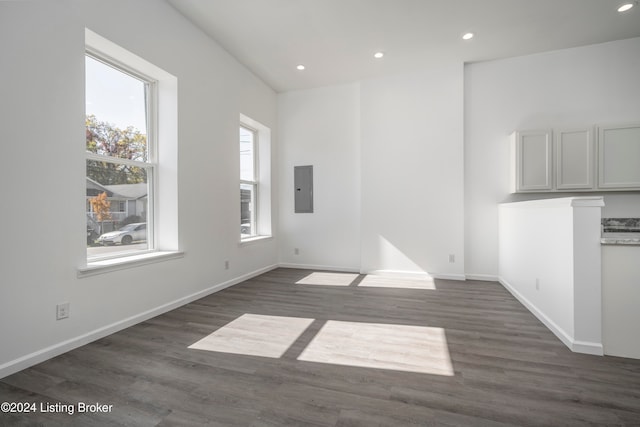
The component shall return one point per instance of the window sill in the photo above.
(255, 239)
(113, 264)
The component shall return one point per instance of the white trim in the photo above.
(388, 273)
(253, 239)
(556, 202)
(587, 202)
(460, 277)
(105, 48)
(573, 345)
(550, 324)
(584, 347)
(415, 274)
(481, 277)
(319, 267)
(39, 356)
(400, 274)
(126, 261)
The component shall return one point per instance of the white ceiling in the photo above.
(336, 39)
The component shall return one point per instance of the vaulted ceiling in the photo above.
(336, 39)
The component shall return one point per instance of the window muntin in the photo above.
(119, 157)
(248, 182)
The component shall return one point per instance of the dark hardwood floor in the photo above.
(335, 350)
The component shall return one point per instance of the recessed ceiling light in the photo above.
(378, 55)
(300, 67)
(467, 36)
(625, 7)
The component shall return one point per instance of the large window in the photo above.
(131, 146)
(248, 182)
(120, 158)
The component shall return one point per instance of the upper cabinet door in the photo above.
(574, 159)
(533, 160)
(619, 157)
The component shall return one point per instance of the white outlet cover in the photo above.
(62, 311)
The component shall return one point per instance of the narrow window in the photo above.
(255, 180)
(248, 183)
(120, 158)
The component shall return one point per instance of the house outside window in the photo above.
(120, 163)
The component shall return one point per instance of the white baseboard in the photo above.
(461, 277)
(567, 339)
(389, 273)
(588, 348)
(414, 274)
(392, 273)
(481, 277)
(557, 330)
(39, 356)
(319, 267)
(402, 274)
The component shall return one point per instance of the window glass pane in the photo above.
(117, 205)
(247, 162)
(247, 210)
(116, 112)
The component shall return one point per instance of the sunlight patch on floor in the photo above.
(328, 279)
(374, 281)
(255, 335)
(371, 345)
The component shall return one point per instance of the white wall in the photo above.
(42, 122)
(388, 174)
(549, 258)
(537, 244)
(590, 85)
(320, 127)
(412, 172)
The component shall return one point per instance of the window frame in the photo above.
(166, 231)
(150, 166)
(254, 183)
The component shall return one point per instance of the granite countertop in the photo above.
(620, 231)
(620, 239)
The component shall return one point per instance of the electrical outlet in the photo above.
(62, 311)
(537, 284)
(226, 265)
(296, 251)
(452, 258)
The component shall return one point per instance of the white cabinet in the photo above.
(620, 300)
(531, 161)
(575, 163)
(572, 161)
(619, 157)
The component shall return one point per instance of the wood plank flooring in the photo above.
(350, 363)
